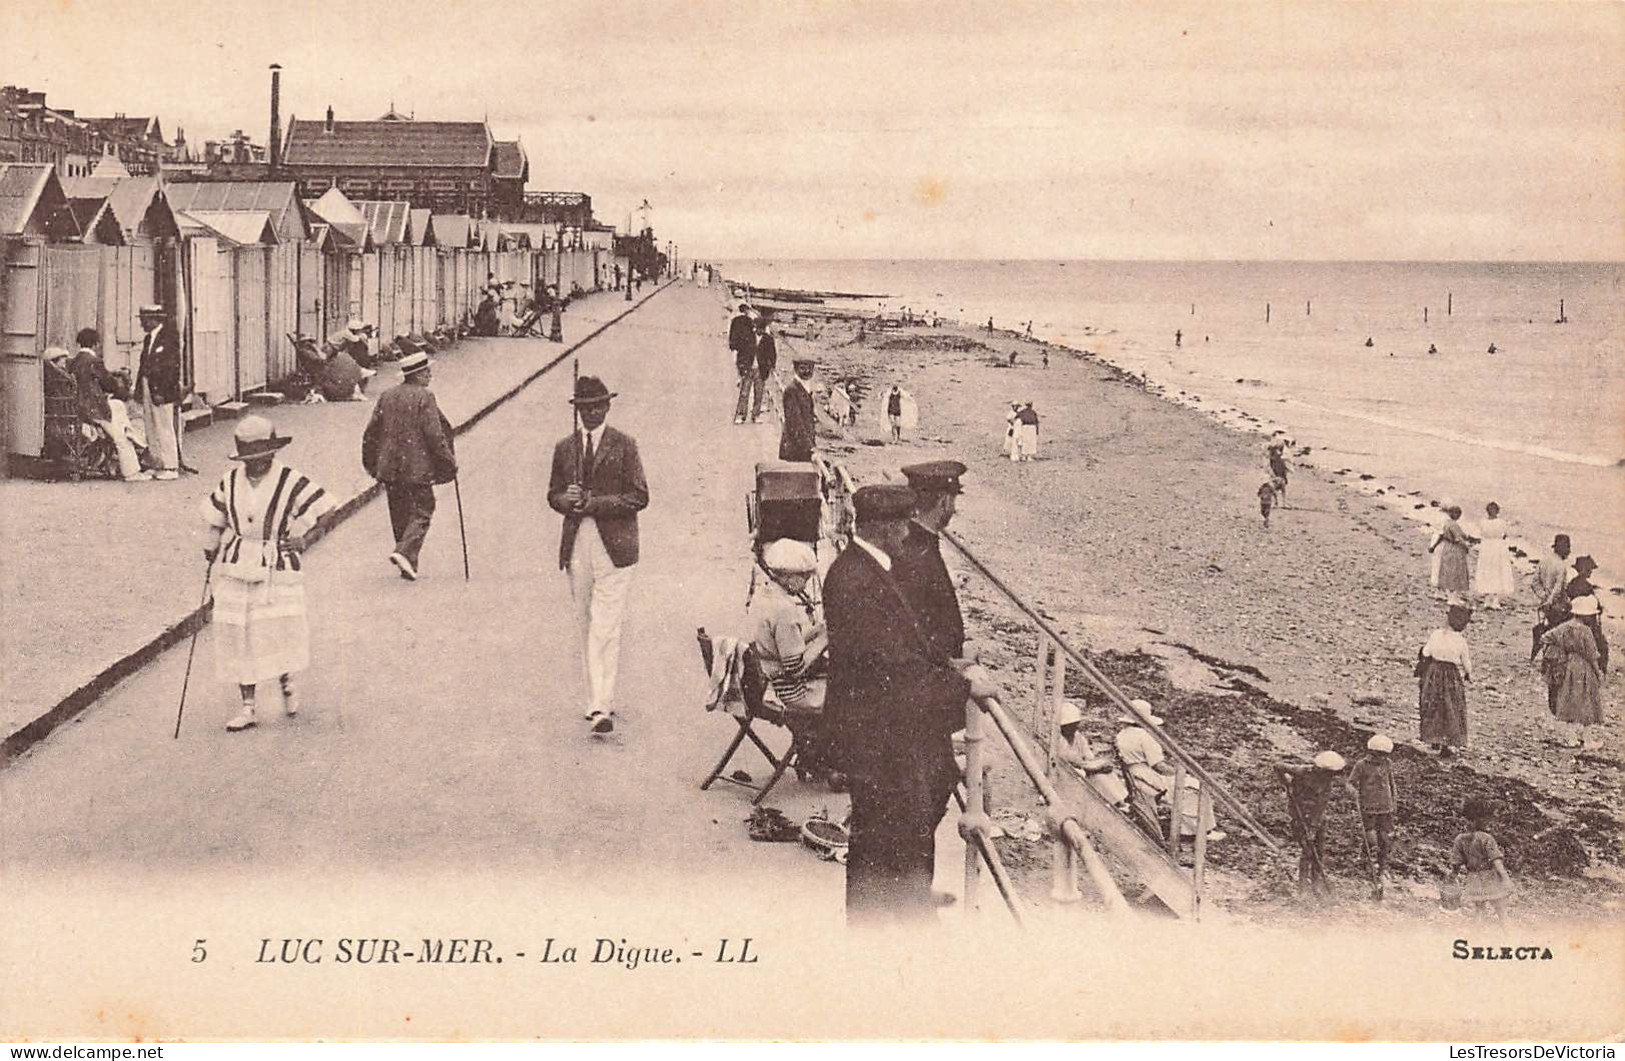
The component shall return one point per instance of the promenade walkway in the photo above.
(93, 572)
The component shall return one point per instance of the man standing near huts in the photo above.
(158, 387)
(407, 447)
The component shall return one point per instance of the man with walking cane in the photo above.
(1309, 792)
(261, 516)
(407, 446)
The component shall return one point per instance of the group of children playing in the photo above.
(1310, 788)
(1272, 493)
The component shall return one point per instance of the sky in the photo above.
(1261, 130)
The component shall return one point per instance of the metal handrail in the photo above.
(1107, 686)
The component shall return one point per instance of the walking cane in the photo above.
(457, 487)
(187, 678)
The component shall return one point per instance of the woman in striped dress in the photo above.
(260, 517)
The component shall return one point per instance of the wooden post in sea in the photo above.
(1266, 313)
(1308, 303)
(1449, 304)
(1193, 309)
(1424, 314)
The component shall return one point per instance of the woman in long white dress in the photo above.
(1494, 573)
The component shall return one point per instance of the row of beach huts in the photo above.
(240, 266)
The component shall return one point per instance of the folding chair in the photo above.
(753, 686)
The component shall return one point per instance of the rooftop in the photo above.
(388, 143)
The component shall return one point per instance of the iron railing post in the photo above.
(972, 823)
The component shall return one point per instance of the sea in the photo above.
(1381, 368)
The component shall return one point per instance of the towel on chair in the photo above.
(727, 676)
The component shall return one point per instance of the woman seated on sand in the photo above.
(1148, 767)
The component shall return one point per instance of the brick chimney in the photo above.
(276, 116)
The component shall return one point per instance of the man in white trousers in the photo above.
(597, 485)
(158, 388)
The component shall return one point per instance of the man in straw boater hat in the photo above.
(800, 433)
(407, 446)
(597, 485)
(158, 388)
(888, 694)
(261, 516)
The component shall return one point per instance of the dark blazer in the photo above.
(161, 365)
(888, 691)
(767, 355)
(742, 341)
(408, 439)
(923, 577)
(797, 439)
(616, 493)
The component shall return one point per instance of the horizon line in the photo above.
(1186, 261)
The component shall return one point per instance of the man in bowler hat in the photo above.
(889, 692)
(597, 485)
(407, 447)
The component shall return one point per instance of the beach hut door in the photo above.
(21, 381)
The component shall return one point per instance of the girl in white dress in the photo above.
(1494, 574)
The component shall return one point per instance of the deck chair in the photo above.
(757, 709)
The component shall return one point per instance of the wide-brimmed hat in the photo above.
(1330, 761)
(1145, 708)
(1070, 713)
(590, 390)
(414, 362)
(1561, 539)
(1585, 605)
(256, 437)
(1584, 564)
(56, 353)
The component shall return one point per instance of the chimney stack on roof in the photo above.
(276, 116)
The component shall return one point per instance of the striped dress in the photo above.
(260, 630)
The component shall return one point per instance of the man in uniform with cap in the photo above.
(920, 570)
(597, 485)
(158, 387)
(888, 694)
(407, 447)
(800, 432)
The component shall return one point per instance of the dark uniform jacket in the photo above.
(742, 341)
(921, 574)
(888, 691)
(767, 355)
(160, 365)
(408, 439)
(616, 493)
(800, 426)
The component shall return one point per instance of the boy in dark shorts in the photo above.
(1378, 798)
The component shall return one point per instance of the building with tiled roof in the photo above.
(450, 167)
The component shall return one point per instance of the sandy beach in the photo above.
(1137, 533)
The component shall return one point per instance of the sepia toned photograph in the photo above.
(884, 521)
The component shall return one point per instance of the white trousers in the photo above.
(598, 589)
(119, 429)
(161, 433)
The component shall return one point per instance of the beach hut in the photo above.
(33, 204)
(389, 219)
(121, 210)
(278, 199)
(422, 229)
(232, 228)
(452, 230)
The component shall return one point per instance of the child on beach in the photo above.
(1266, 498)
(1310, 788)
(1278, 469)
(1444, 666)
(1373, 782)
(1488, 884)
